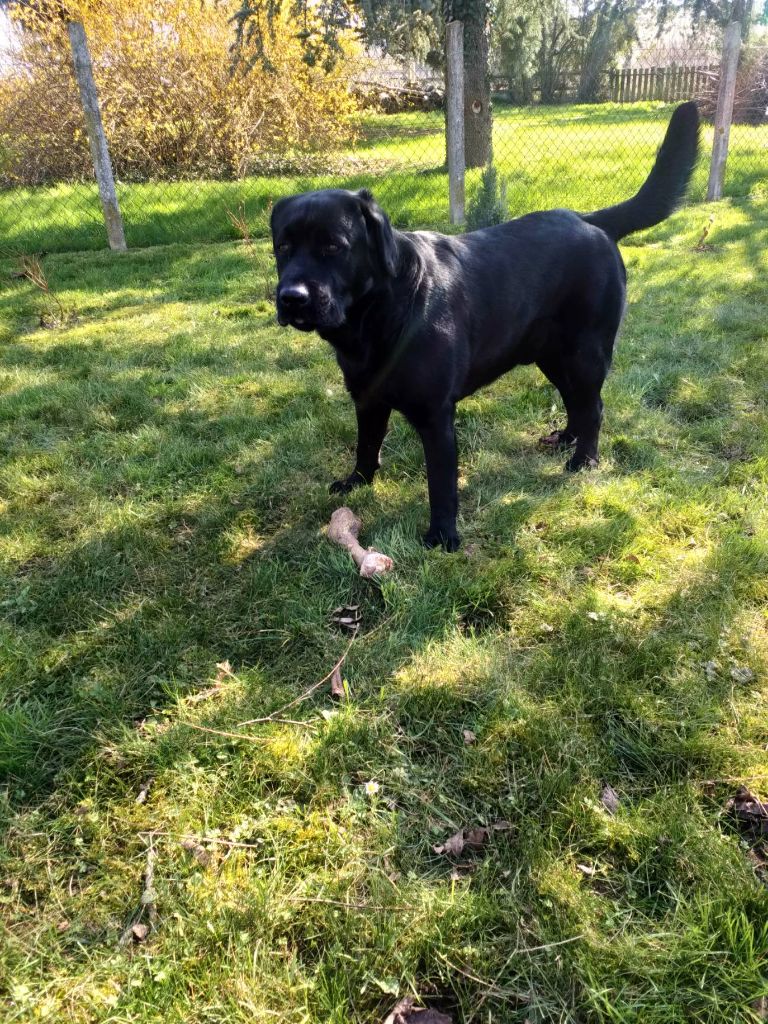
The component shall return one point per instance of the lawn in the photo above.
(164, 572)
(578, 156)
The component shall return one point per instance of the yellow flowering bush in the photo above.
(174, 103)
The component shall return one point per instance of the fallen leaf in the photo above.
(337, 684)
(224, 669)
(198, 851)
(452, 846)
(62, 926)
(140, 932)
(749, 811)
(348, 617)
(742, 674)
(633, 558)
(406, 1013)
(469, 737)
(144, 792)
(609, 798)
(472, 838)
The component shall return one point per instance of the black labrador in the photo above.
(419, 320)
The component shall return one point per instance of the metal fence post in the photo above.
(97, 140)
(454, 118)
(726, 90)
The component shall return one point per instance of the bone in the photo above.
(343, 529)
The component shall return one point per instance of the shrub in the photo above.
(172, 103)
(489, 203)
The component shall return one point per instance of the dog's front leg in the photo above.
(372, 423)
(438, 435)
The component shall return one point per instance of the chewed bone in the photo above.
(343, 529)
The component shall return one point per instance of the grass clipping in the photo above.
(343, 529)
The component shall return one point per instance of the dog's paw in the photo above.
(348, 484)
(447, 539)
(577, 462)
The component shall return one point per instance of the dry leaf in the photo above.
(742, 674)
(337, 684)
(609, 798)
(749, 811)
(406, 1013)
(469, 737)
(63, 925)
(139, 932)
(224, 669)
(144, 792)
(472, 838)
(452, 846)
(633, 558)
(198, 851)
(348, 617)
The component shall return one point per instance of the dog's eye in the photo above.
(282, 249)
(331, 249)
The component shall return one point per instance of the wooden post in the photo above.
(726, 90)
(96, 138)
(454, 117)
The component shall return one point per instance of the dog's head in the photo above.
(332, 249)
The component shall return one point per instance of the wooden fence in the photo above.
(671, 83)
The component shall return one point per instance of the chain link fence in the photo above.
(372, 123)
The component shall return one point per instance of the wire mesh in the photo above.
(552, 150)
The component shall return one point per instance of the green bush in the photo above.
(489, 203)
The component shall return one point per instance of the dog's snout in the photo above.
(294, 296)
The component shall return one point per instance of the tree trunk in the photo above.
(477, 86)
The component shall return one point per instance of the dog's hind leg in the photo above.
(578, 371)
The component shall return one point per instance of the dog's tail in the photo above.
(665, 186)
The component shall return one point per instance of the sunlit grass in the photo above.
(577, 156)
(163, 493)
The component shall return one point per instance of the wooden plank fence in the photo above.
(669, 84)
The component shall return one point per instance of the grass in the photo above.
(164, 489)
(579, 156)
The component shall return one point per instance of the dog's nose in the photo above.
(294, 296)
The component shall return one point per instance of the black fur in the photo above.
(420, 320)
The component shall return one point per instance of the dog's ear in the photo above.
(380, 231)
(277, 209)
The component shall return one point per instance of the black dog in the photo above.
(419, 320)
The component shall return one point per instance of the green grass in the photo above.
(163, 493)
(577, 156)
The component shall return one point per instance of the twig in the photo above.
(349, 906)
(304, 696)
(148, 896)
(490, 987)
(243, 735)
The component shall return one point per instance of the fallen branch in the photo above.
(303, 696)
(136, 931)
